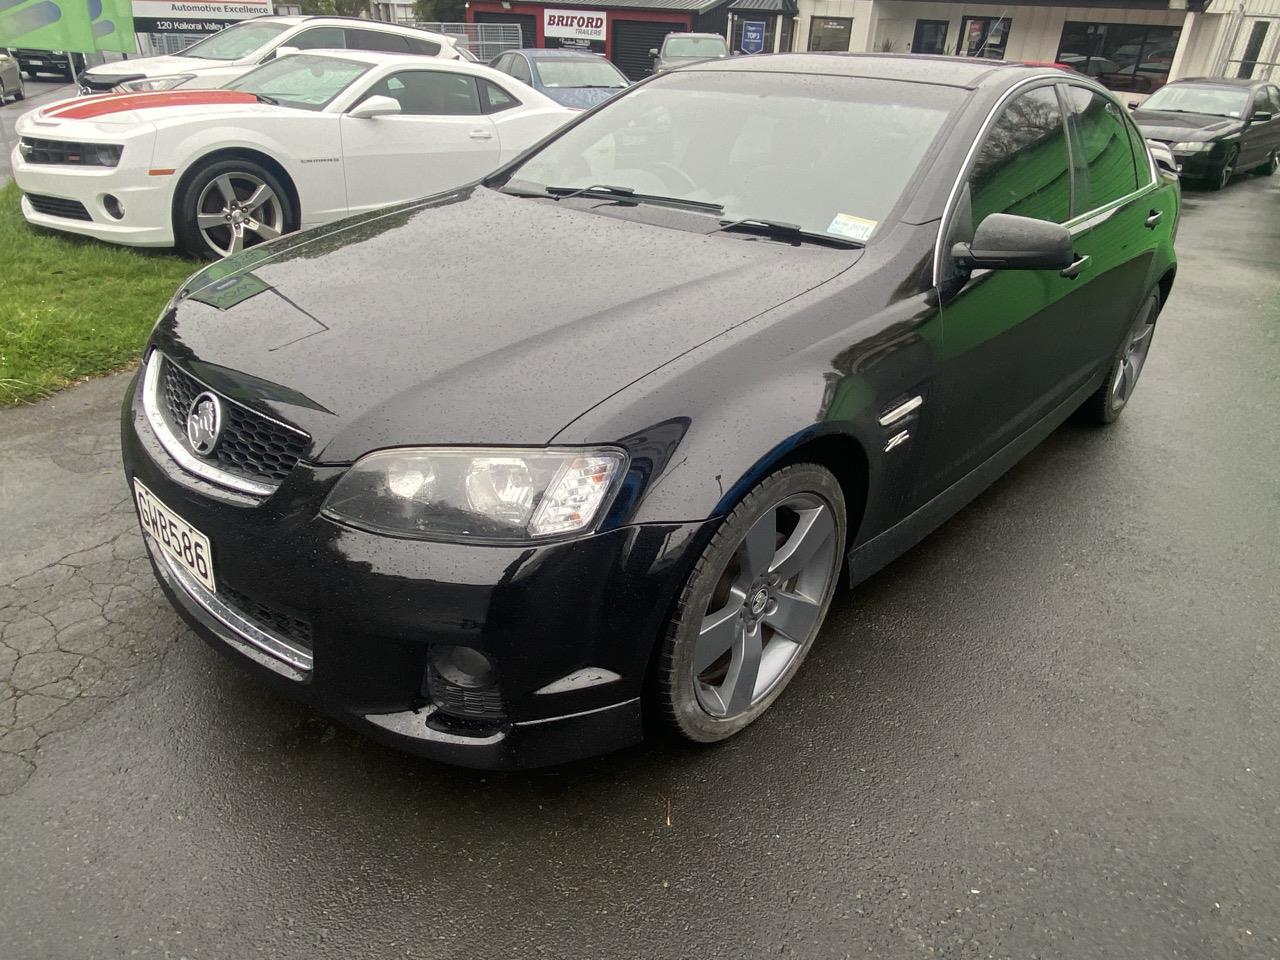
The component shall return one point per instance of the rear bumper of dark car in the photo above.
(569, 628)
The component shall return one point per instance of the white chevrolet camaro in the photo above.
(297, 142)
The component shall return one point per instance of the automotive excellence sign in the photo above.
(195, 16)
(573, 24)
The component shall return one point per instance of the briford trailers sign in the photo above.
(193, 16)
(573, 24)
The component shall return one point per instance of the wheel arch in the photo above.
(826, 445)
(238, 153)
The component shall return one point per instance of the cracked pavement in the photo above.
(1050, 730)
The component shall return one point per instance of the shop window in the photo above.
(787, 38)
(830, 33)
(984, 37)
(930, 36)
(1121, 56)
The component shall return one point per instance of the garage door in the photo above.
(527, 23)
(632, 41)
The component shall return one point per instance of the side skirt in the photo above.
(870, 557)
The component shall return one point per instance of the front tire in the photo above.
(226, 206)
(753, 605)
(1109, 400)
(21, 92)
(1226, 171)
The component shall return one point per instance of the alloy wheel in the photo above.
(767, 605)
(1227, 172)
(238, 210)
(1135, 355)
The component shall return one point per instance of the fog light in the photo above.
(462, 682)
(113, 206)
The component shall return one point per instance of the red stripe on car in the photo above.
(87, 108)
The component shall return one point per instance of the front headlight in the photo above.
(148, 84)
(1192, 146)
(491, 494)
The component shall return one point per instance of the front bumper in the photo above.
(569, 627)
(1205, 165)
(147, 201)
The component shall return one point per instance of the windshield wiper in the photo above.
(629, 195)
(785, 231)
(263, 98)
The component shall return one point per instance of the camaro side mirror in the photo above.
(1261, 116)
(375, 107)
(1005, 242)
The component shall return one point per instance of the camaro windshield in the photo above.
(1194, 98)
(579, 73)
(695, 47)
(830, 155)
(302, 80)
(236, 41)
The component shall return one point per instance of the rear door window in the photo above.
(1103, 159)
(495, 99)
(377, 40)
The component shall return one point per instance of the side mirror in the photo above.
(1261, 116)
(1133, 104)
(375, 107)
(1005, 242)
(284, 52)
(653, 52)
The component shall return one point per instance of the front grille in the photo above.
(250, 445)
(67, 152)
(297, 631)
(58, 207)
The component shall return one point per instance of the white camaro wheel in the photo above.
(230, 205)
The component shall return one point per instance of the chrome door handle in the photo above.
(481, 135)
(1156, 217)
(1073, 271)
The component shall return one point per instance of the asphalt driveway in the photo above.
(1052, 730)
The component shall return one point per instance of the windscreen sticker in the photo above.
(855, 228)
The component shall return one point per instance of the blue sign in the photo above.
(753, 36)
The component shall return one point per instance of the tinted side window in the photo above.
(320, 38)
(1271, 101)
(430, 93)
(495, 98)
(520, 69)
(502, 64)
(426, 48)
(377, 40)
(1104, 162)
(1023, 167)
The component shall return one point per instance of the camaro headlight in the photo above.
(491, 494)
(1192, 146)
(147, 84)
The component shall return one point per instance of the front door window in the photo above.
(983, 37)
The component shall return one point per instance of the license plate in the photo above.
(36, 63)
(184, 544)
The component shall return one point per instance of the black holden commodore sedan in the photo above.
(1216, 127)
(505, 475)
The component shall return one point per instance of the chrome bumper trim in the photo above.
(245, 629)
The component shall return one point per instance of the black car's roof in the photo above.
(967, 72)
(1220, 82)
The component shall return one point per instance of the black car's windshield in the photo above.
(303, 80)
(1197, 98)
(695, 47)
(831, 155)
(236, 41)
(579, 72)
